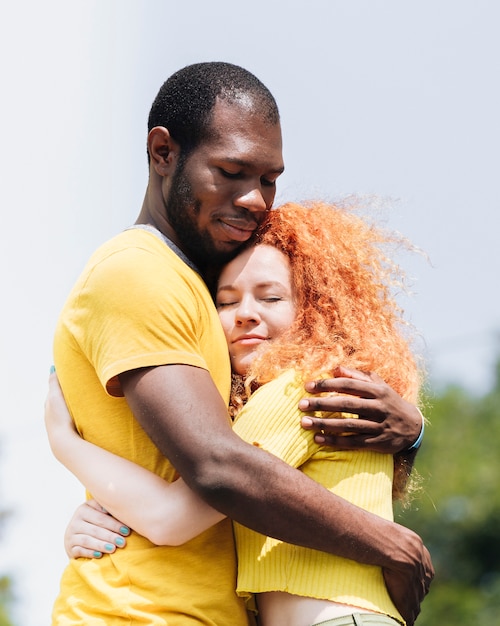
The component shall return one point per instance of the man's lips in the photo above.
(238, 230)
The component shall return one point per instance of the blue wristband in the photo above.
(418, 442)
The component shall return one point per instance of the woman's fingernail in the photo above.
(306, 421)
(119, 541)
(97, 554)
(109, 547)
(124, 530)
(304, 405)
(52, 369)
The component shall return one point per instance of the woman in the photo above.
(313, 293)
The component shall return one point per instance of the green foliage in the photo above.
(458, 512)
(5, 600)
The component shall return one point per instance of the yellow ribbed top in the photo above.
(271, 420)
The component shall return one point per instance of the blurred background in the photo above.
(397, 102)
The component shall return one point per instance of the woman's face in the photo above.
(255, 302)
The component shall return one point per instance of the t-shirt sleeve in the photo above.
(135, 313)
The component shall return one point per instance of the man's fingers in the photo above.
(347, 372)
(403, 596)
(354, 386)
(358, 405)
(340, 426)
(409, 587)
(338, 392)
(351, 434)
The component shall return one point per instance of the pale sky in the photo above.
(393, 99)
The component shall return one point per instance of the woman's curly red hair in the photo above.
(344, 283)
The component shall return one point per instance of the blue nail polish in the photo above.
(124, 530)
(97, 554)
(109, 547)
(119, 541)
(52, 369)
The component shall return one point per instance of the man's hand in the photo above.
(409, 584)
(386, 423)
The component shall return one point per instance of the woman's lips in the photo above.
(249, 340)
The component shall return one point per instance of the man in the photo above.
(140, 350)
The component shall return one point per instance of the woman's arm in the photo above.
(165, 513)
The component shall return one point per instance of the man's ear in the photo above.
(163, 151)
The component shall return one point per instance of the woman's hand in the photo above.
(92, 532)
(387, 423)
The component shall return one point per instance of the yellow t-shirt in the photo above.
(271, 420)
(137, 304)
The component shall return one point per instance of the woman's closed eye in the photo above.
(220, 305)
(272, 299)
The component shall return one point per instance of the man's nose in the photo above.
(255, 200)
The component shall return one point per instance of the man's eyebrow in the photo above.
(244, 163)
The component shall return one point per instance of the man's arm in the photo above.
(183, 413)
(387, 423)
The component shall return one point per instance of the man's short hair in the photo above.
(186, 100)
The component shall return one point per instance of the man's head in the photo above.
(186, 100)
(215, 153)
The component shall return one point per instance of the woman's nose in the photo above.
(247, 312)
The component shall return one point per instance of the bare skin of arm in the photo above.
(165, 513)
(191, 428)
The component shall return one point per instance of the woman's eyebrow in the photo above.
(264, 283)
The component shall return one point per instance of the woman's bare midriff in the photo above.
(277, 608)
